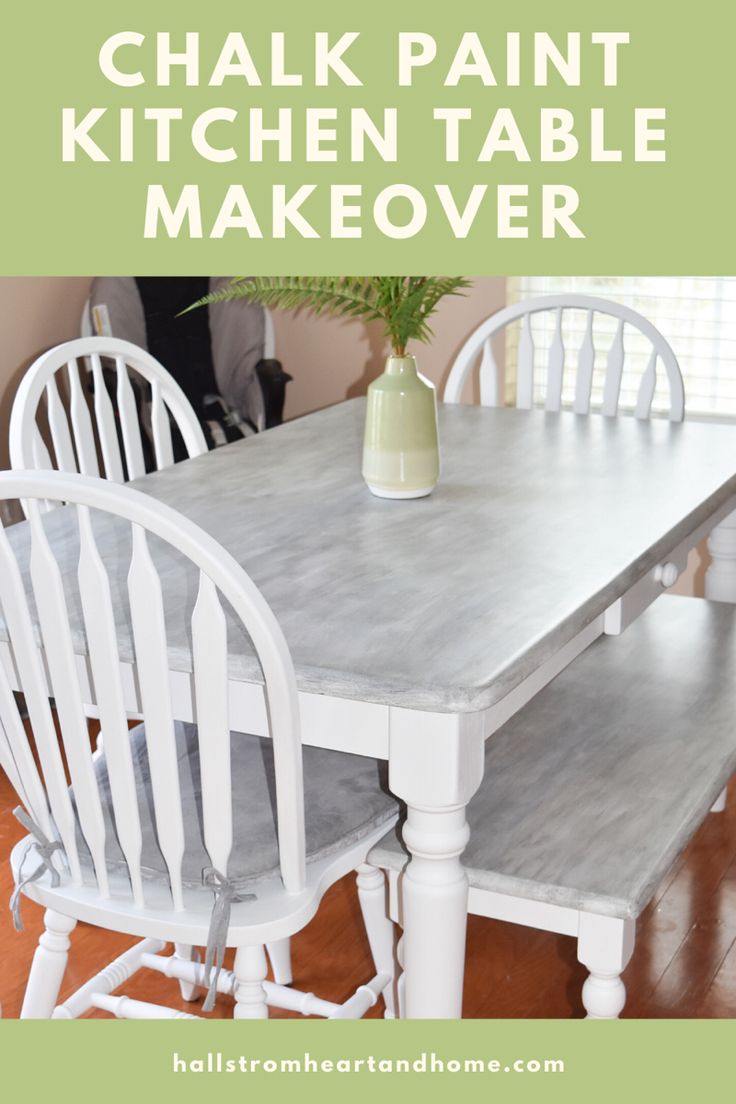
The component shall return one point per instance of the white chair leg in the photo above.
(48, 966)
(719, 805)
(279, 954)
(189, 992)
(605, 945)
(250, 972)
(379, 929)
(400, 1000)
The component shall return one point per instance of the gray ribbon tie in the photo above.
(225, 894)
(44, 849)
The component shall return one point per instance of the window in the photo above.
(697, 315)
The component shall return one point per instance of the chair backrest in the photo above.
(44, 665)
(97, 438)
(479, 347)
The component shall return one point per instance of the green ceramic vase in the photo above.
(401, 456)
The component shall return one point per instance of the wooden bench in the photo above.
(592, 791)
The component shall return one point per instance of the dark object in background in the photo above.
(273, 380)
(215, 353)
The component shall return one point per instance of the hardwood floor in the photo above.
(684, 964)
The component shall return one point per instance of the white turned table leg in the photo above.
(720, 578)
(250, 971)
(435, 765)
(435, 908)
(48, 966)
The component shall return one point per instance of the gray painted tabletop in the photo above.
(539, 523)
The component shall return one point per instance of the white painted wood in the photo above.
(436, 766)
(99, 624)
(363, 999)
(124, 1008)
(59, 429)
(161, 428)
(372, 894)
(525, 369)
(647, 388)
(16, 759)
(605, 945)
(47, 969)
(209, 651)
(614, 373)
(467, 357)
(39, 454)
(631, 605)
(555, 368)
(283, 904)
(279, 955)
(586, 365)
(48, 593)
(106, 430)
(27, 449)
(81, 422)
(32, 680)
(524, 911)
(185, 953)
(129, 425)
(113, 975)
(250, 973)
(720, 578)
(277, 996)
(488, 377)
(149, 634)
(719, 805)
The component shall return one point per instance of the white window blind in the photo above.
(696, 314)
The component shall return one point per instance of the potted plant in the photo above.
(401, 451)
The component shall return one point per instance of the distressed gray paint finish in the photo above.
(594, 788)
(445, 603)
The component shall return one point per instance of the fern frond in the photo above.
(402, 303)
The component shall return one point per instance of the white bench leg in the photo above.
(605, 945)
(250, 971)
(379, 929)
(48, 966)
(280, 955)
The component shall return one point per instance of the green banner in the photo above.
(482, 1060)
(469, 137)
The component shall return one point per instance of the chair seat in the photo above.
(595, 787)
(345, 797)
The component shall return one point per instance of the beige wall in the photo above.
(35, 313)
(332, 360)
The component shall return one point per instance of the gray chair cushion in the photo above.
(345, 796)
(595, 787)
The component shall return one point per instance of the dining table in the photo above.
(418, 627)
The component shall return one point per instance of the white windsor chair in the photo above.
(168, 815)
(479, 347)
(82, 436)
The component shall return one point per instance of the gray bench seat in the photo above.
(595, 787)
